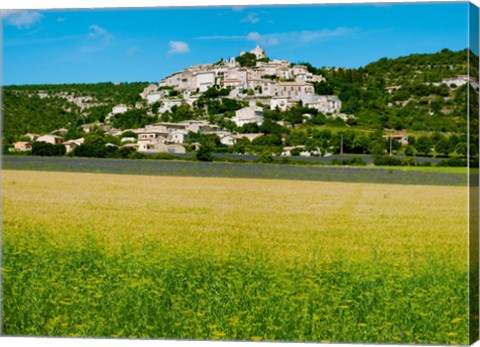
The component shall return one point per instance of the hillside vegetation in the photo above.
(44, 108)
(422, 102)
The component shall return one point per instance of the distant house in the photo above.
(391, 89)
(287, 151)
(153, 136)
(251, 114)
(114, 132)
(157, 147)
(22, 146)
(32, 136)
(119, 109)
(53, 139)
(323, 103)
(280, 103)
(176, 149)
(72, 144)
(87, 128)
(250, 137)
(61, 131)
(294, 89)
(402, 138)
(154, 97)
(178, 136)
(128, 139)
(150, 89)
(146, 146)
(227, 139)
(460, 80)
(168, 104)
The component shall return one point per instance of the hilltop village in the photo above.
(254, 81)
(275, 83)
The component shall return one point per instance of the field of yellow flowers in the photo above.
(236, 259)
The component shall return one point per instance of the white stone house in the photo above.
(178, 136)
(287, 151)
(294, 89)
(154, 97)
(281, 103)
(148, 90)
(227, 139)
(147, 146)
(259, 52)
(460, 80)
(156, 136)
(248, 115)
(22, 146)
(168, 104)
(204, 80)
(402, 138)
(176, 149)
(249, 137)
(128, 139)
(193, 125)
(72, 144)
(119, 109)
(53, 139)
(323, 103)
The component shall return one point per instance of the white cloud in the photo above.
(178, 47)
(133, 50)
(307, 36)
(254, 36)
(292, 37)
(21, 19)
(99, 32)
(221, 37)
(251, 18)
(265, 40)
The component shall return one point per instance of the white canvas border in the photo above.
(56, 4)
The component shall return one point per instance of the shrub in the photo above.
(266, 157)
(47, 149)
(387, 161)
(453, 162)
(204, 153)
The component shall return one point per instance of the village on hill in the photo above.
(251, 104)
(266, 84)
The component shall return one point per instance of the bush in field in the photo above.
(387, 161)
(93, 146)
(126, 152)
(163, 156)
(454, 162)
(204, 153)
(47, 149)
(350, 162)
(266, 157)
(355, 162)
(410, 151)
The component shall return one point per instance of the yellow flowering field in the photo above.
(88, 254)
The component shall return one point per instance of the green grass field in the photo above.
(238, 259)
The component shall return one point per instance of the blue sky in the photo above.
(84, 46)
